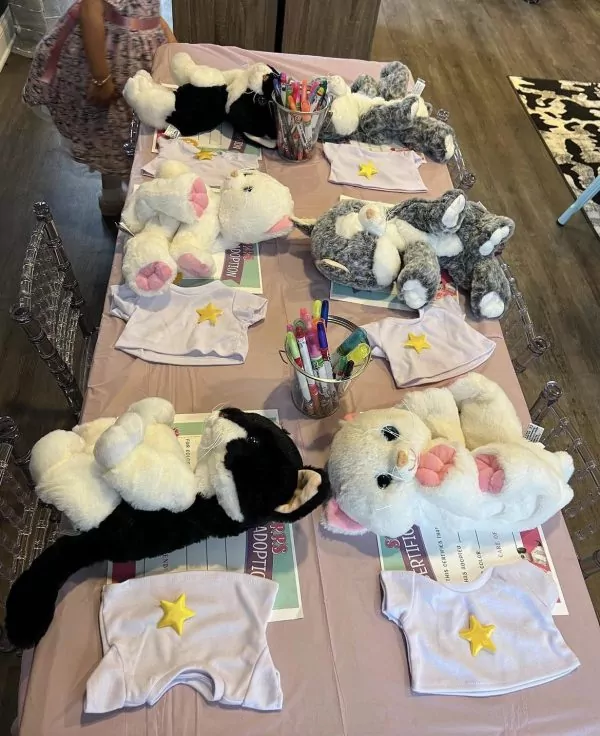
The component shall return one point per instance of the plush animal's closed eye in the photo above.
(384, 480)
(248, 189)
(390, 433)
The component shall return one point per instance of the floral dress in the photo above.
(60, 76)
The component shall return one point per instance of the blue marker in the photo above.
(324, 347)
(325, 310)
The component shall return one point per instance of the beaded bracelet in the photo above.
(102, 83)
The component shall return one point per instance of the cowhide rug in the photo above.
(567, 116)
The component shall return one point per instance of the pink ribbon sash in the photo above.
(111, 15)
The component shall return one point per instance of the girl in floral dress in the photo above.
(78, 72)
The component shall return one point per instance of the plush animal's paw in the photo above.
(491, 475)
(373, 219)
(152, 102)
(154, 277)
(414, 294)
(29, 611)
(198, 197)
(193, 266)
(452, 214)
(498, 236)
(450, 146)
(492, 306)
(435, 465)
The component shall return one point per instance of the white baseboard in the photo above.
(7, 36)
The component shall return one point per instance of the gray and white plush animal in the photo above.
(466, 245)
(382, 113)
(369, 247)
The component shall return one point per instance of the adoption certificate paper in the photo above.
(266, 551)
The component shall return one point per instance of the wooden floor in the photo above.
(464, 49)
(35, 166)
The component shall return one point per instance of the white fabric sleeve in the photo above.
(123, 301)
(535, 580)
(398, 590)
(373, 330)
(249, 308)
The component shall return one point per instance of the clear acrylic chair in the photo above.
(561, 433)
(134, 130)
(524, 342)
(27, 526)
(52, 311)
(461, 177)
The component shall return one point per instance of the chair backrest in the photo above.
(27, 525)
(582, 515)
(51, 309)
(461, 177)
(524, 342)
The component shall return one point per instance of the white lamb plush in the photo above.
(86, 472)
(178, 223)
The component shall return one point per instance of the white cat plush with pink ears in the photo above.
(178, 223)
(424, 463)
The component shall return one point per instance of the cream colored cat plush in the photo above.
(178, 223)
(424, 463)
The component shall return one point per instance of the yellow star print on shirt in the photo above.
(417, 342)
(204, 155)
(367, 170)
(175, 614)
(209, 313)
(478, 635)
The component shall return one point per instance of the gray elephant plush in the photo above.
(369, 247)
(382, 113)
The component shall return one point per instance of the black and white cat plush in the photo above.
(126, 485)
(205, 98)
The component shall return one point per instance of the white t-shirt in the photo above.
(447, 346)
(213, 171)
(166, 328)
(516, 599)
(390, 171)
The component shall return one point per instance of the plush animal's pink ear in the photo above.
(338, 521)
(350, 417)
(491, 475)
(284, 224)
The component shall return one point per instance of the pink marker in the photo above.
(306, 362)
(306, 317)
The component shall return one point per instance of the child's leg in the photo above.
(112, 198)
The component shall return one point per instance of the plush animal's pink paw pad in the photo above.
(153, 276)
(199, 197)
(194, 267)
(491, 475)
(435, 465)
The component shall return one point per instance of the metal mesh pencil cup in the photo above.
(297, 132)
(326, 399)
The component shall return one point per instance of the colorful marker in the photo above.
(324, 347)
(292, 348)
(325, 311)
(304, 354)
(316, 311)
(306, 317)
(316, 360)
(359, 353)
(348, 369)
(354, 339)
(340, 368)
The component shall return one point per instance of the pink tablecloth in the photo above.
(343, 666)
